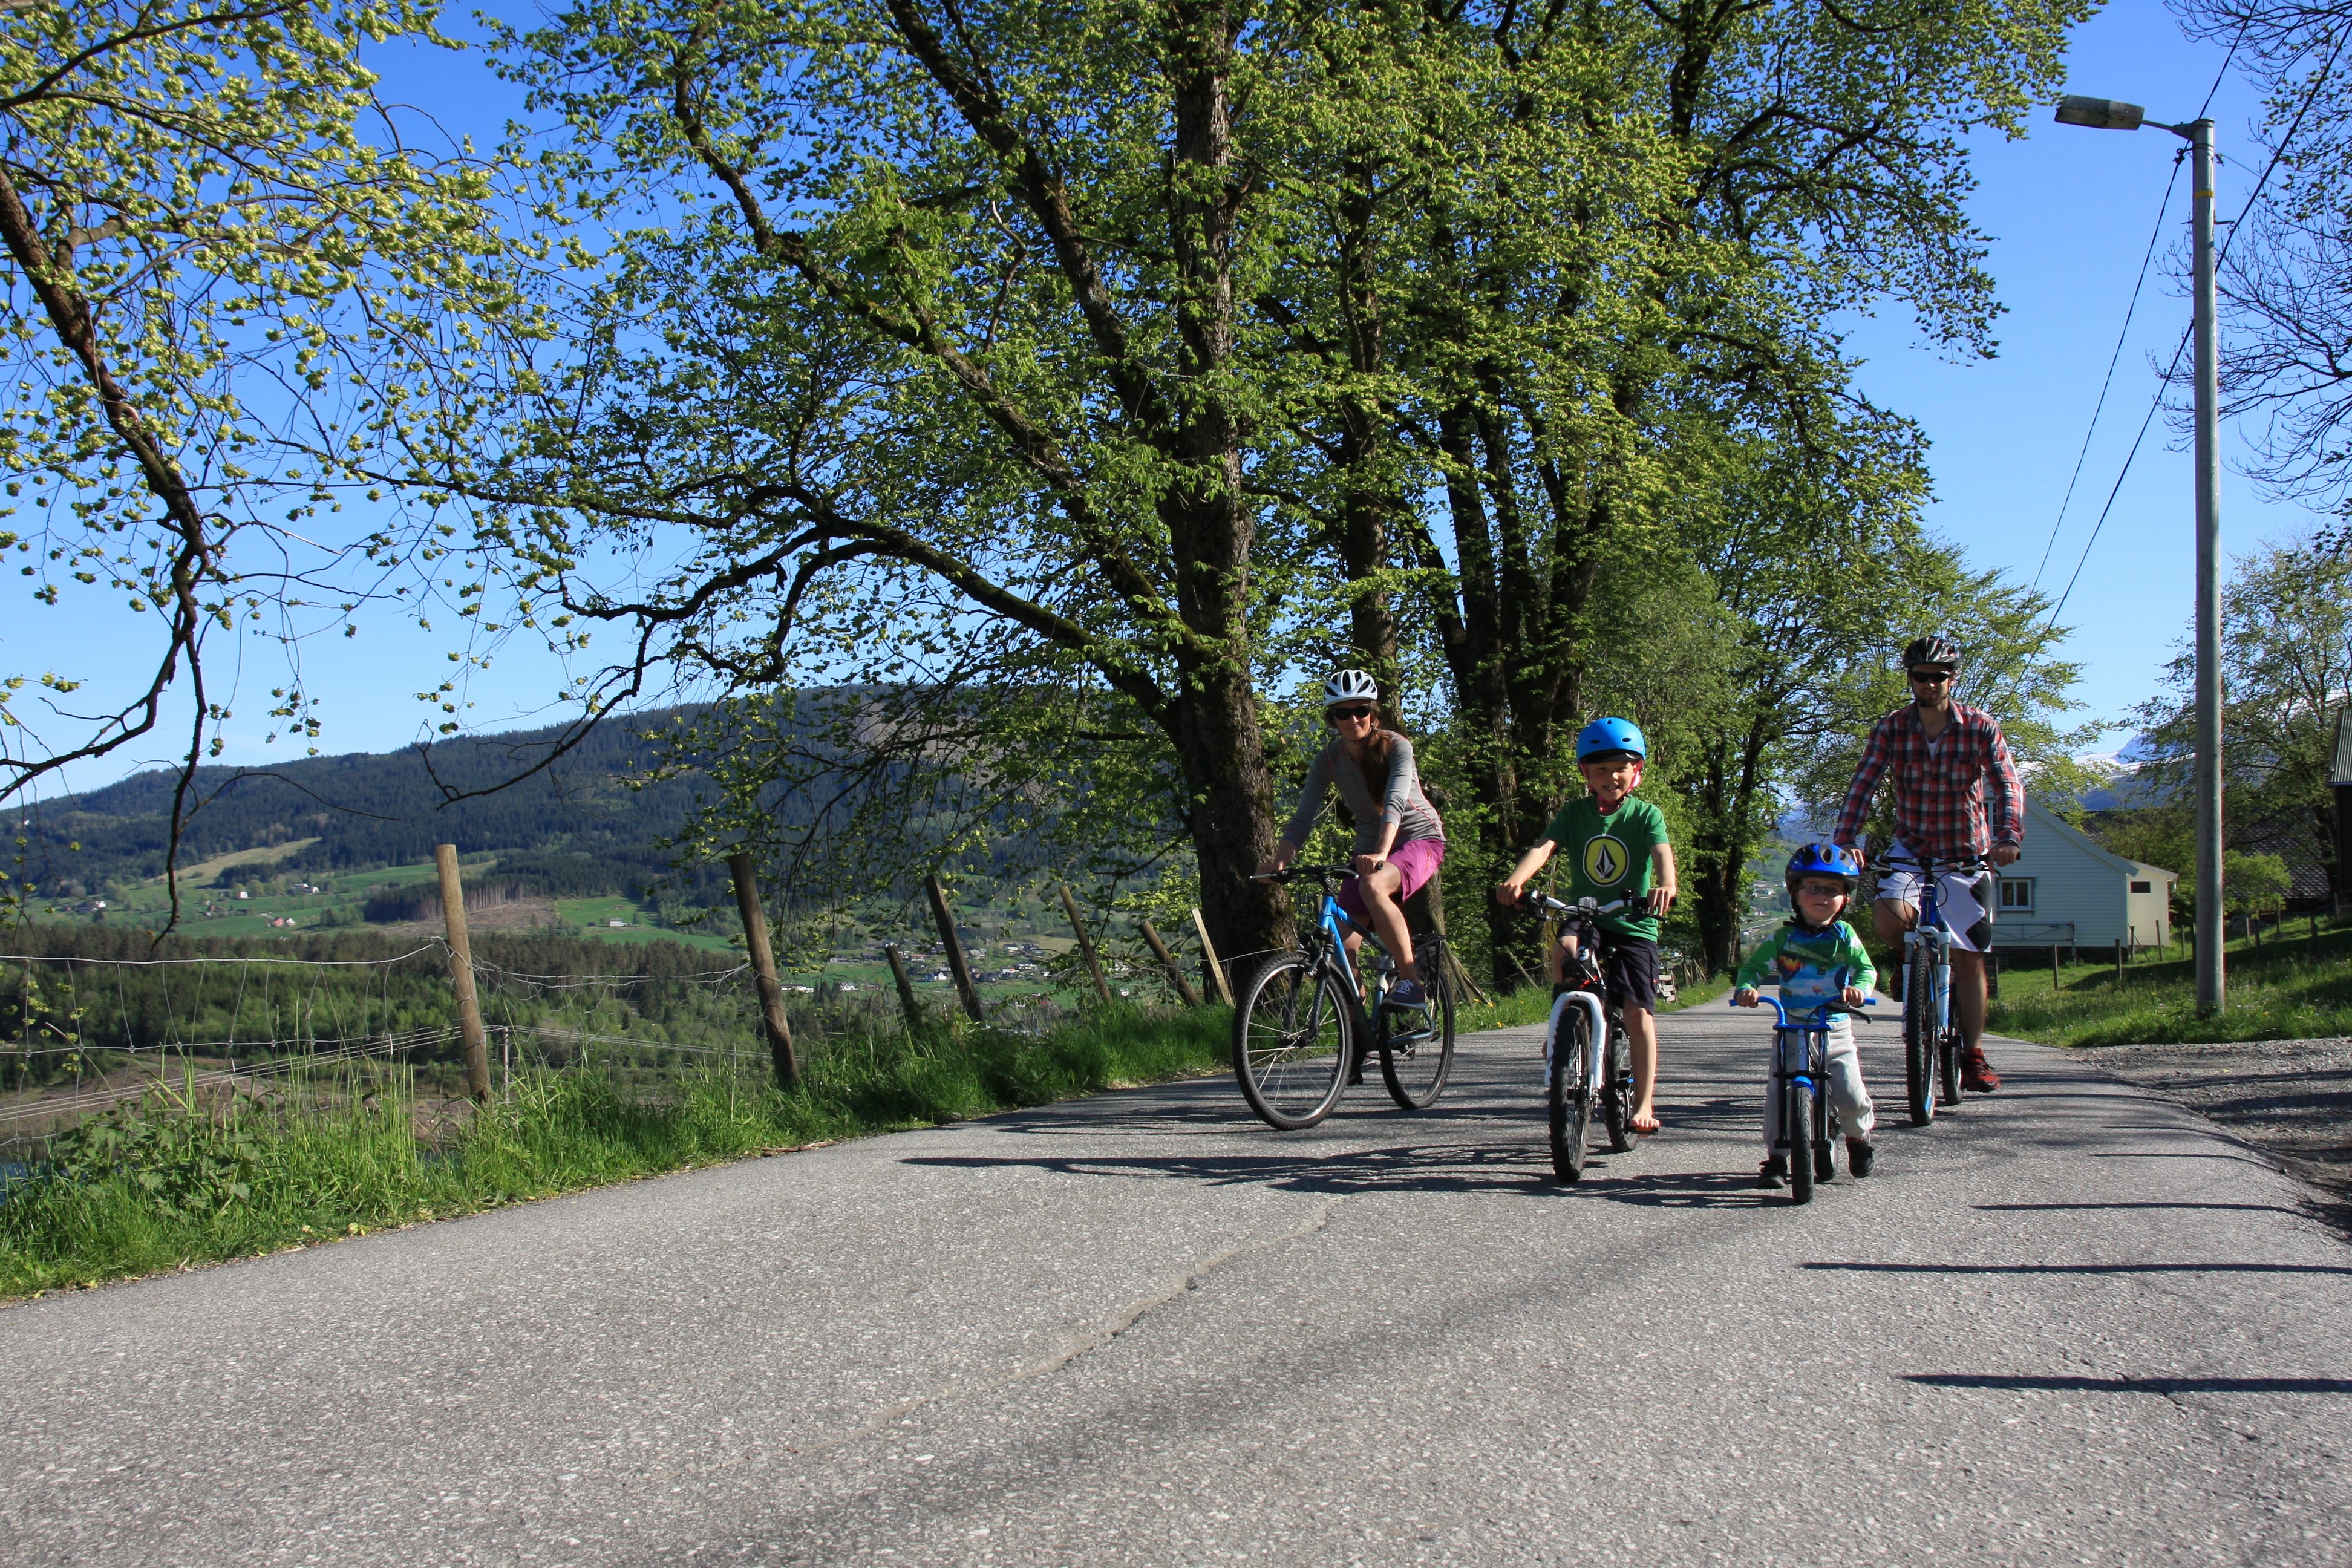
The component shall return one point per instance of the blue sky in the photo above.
(2069, 212)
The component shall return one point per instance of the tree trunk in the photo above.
(1210, 529)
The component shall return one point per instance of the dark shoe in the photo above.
(1859, 1157)
(1774, 1176)
(1977, 1074)
(1406, 995)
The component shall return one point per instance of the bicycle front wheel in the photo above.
(1919, 1036)
(1617, 1090)
(1797, 1119)
(1290, 1042)
(1417, 1044)
(1568, 1101)
(1948, 1065)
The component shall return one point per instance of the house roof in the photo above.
(2045, 820)
(2341, 775)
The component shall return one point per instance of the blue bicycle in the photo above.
(1931, 1041)
(1801, 1053)
(1303, 1025)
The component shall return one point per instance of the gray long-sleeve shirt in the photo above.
(1401, 800)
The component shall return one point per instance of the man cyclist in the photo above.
(1951, 769)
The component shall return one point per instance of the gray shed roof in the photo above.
(2341, 775)
(2045, 820)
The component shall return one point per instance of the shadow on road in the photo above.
(2082, 1268)
(2137, 1384)
(1408, 1168)
(2030, 1208)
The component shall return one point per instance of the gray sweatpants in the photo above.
(1849, 1097)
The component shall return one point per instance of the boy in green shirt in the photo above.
(1814, 958)
(1617, 848)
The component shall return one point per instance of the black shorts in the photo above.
(1629, 972)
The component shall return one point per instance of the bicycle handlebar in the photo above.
(1292, 873)
(1819, 1016)
(1531, 900)
(1928, 866)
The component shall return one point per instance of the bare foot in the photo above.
(1647, 1122)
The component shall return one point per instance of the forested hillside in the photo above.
(367, 810)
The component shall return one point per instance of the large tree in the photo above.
(1529, 400)
(1120, 351)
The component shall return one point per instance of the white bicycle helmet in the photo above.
(1350, 685)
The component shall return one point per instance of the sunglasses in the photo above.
(1356, 711)
(1930, 677)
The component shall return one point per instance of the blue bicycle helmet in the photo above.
(1824, 860)
(1610, 735)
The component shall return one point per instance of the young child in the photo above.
(1814, 958)
(1617, 848)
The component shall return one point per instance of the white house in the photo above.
(2066, 892)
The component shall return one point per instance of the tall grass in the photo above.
(2287, 989)
(178, 1178)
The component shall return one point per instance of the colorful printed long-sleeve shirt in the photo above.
(1942, 792)
(1811, 964)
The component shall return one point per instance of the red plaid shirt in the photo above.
(1939, 795)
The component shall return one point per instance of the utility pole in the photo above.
(2111, 114)
(2210, 968)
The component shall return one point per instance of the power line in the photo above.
(2277, 155)
(2154, 237)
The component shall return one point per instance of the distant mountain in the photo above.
(367, 810)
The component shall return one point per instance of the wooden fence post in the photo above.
(2053, 969)
(913, 1009)
(461, 973)
(1209, 951)
(957, 965)
(763, 969)
(1168, 961)
(1085, 944)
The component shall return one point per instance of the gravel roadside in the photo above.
(2293, 1098)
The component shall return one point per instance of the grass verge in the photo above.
(179, 1179)
(2292, 988)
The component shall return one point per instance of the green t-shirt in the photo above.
(1609, 857)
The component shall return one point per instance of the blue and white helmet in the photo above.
(1610, 735)
(1824, 860)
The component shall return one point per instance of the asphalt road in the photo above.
(2071, 1323)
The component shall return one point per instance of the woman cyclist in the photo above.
(1399, 840)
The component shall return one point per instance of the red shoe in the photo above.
(1977, 1074)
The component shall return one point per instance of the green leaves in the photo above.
(209, 222)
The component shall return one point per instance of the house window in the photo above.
(2017, 892)
(2143, 887)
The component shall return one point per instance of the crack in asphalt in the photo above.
(1071, 1349)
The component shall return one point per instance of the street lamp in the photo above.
(2107, 114)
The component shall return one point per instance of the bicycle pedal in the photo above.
(1410, 1036)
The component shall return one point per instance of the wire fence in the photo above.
(82, 1035)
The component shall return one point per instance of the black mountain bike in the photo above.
(1303, 1029)
(1587, 1059)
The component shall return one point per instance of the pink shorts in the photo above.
(1415, 862)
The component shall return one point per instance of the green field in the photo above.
(2290, 987)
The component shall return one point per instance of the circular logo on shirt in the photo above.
(1605, 860)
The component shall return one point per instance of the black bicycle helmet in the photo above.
(1933, 649)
